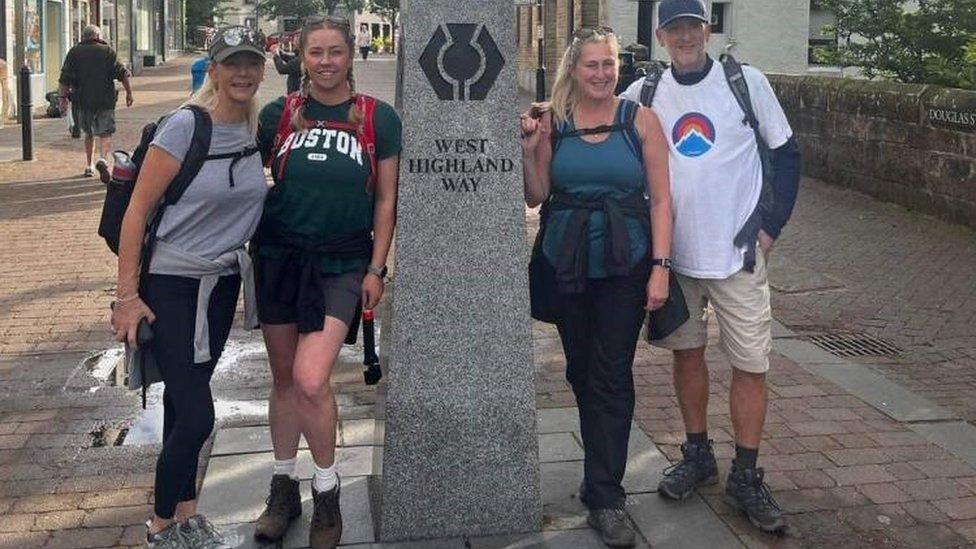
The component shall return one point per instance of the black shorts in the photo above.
(277, 280)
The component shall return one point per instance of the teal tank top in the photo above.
(608, 169)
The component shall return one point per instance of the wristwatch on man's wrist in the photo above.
(664, 262)
(378, 271)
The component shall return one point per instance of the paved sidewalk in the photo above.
(856, 460)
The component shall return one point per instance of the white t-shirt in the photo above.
(716, 174)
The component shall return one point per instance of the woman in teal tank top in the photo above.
(600, 167)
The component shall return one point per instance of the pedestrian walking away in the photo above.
(364, 41)
(734, 177)
(88, 78)
(319, 254)
(192, 271)
(591, 160)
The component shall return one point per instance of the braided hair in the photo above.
(298, 121)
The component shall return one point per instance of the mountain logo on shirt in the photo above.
(693, 134)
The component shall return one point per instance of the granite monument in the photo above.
(461, 456)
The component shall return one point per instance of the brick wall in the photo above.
(912, 145)
(556, 16)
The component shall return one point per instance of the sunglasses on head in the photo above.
(333, 19)
(587, 32)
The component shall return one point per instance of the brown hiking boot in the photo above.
(326, 520)
(284, 505)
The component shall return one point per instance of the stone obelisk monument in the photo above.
(461, 455)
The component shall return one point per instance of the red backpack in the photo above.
(365, 132)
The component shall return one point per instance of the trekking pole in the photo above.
(371, 363)
(25, 106)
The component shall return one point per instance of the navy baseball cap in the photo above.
(672, 10)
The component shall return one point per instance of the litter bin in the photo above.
(198, 71)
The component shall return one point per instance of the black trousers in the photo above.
(188, 408)
(599, 330)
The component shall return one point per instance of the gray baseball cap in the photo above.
(672, 10)
(231, 40)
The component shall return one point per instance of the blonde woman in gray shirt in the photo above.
(190, 291)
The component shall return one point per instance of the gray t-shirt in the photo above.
(212, 218)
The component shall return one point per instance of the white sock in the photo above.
(286, 467)
(325, 478)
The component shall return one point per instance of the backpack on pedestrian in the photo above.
(365, 132)
(118, 194)
(365, 135)
(126, 171)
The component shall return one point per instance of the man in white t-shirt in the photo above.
(717, 188)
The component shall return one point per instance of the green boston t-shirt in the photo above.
(323, 193)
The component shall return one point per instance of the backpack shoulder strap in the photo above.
(740, 89)
(196, 155)
(292, 102)
(628, 117)
(557, 132)
(367, 135)
(655, 71)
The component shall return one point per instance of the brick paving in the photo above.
(905, 278)
(848, 475)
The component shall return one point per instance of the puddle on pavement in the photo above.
(147, 428)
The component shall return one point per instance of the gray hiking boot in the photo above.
(613, 526)
(746, 491)
(697, 468)
(200, 533)
(170, 537)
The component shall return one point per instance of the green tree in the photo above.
(303, 8)
(389, 10)
(885, 38)
(203, 12)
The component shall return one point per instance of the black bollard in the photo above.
(26, 106)
(540, 71)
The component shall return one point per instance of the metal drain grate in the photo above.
(848, 345)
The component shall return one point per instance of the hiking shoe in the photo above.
(746, 491)
(200, 533)
(613, 526)
(89, 172)
(697, 468)
(101, 166)
(284, 504)
(170, 537)
(326, 519)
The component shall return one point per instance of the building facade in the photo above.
(773, 35)
(39, 33)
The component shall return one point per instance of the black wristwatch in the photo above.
(663, 262)
(378, 271)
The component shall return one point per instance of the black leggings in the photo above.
(188, 409)
(599, 331)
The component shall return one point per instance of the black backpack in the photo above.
(119, 191)
(740, 90)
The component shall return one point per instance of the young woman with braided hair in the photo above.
(320, 254)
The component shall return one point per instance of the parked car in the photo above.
(286, 40)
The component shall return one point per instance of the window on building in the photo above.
(108, 21)
(33, 35)
(143, 22)
(719, 16)
(292, 24)
(518, 26)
